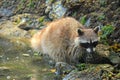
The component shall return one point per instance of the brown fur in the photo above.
(60, 40)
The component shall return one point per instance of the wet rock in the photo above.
(4, 70)
(8, 28)
(26, 55)
(115, 58)
(55, 10)
(110, 57)
(28, 21)
(92, 73)
(107, 55)
(103, 50)
(5, 13)
(24, 6)
(63, 68)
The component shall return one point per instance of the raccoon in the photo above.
(64, 40)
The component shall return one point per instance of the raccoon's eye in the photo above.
(85, 45)
(95, 44)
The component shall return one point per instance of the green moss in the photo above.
(41, 19)
(81, 66)
(101, 17)
(83, 20)
(103, 3)
(106, 31)
(31, 4)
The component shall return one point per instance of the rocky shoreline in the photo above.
(20, 19)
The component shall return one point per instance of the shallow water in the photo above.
(20, 63)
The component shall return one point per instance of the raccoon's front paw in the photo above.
(51, 63)
(63, 68)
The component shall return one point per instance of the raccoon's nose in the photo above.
(90, 50)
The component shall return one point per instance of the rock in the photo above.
(107, 55)
(28, 21)
(63, 68)
(5, 12)
(55, 10)
(103, 50)
(9, 29)
(16, 32)
(115, 58)
(26, 55)
(92, 73)
(4, 70)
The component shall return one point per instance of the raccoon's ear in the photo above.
(80, 32)
(96, 29)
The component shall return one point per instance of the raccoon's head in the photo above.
(88, 39)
